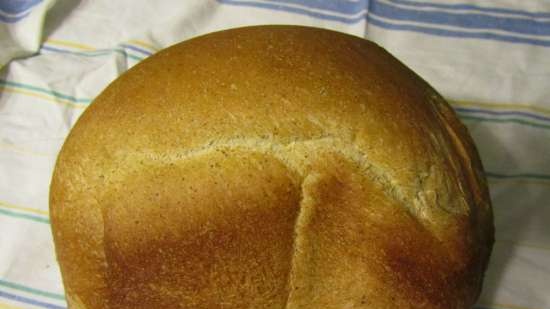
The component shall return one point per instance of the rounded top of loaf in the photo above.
(270, 167)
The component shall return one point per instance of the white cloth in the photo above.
(489, 58)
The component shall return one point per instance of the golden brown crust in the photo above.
(270, 167)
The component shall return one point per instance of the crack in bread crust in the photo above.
(301, 158)
(297, 155)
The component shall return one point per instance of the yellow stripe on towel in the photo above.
(70, 44)
(6, 306)
(26, 209)
(44, 97)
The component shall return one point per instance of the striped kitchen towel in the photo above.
(21, 27)
(490, 58)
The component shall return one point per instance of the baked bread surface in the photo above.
(270, 167)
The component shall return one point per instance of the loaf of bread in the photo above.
(270, 167)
